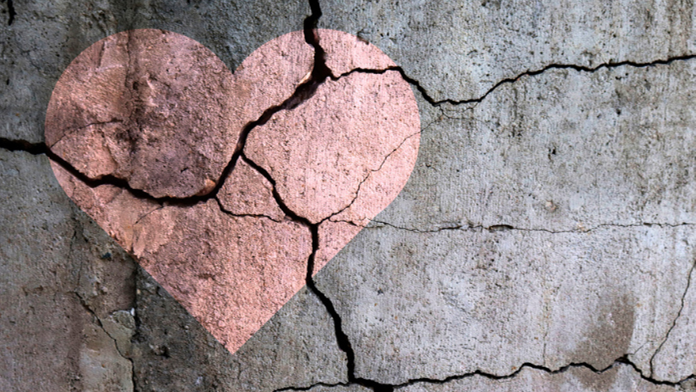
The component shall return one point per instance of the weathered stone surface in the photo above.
(564, 150)
(492, 300)
(45, 37)
(346, 152)
(247, 192)
(580, 268)
(296, 348)
(550, 223)
(675, 358)
(67, 311)
(619, 378)
(460, 50)
(59, 275)
(228, 271)
(161, 111)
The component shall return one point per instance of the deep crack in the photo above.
(579, 68)
(320, 72)
(619, 361)
(11, 12)
(622, 360)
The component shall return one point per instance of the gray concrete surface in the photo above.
(545, 240)
(45, 36)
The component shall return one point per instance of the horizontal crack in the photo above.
(505, 227)
(580, 68)
(619, 361)
(622, 360)
(230, 213)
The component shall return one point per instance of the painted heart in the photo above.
(226, 187)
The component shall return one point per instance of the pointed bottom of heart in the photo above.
(175, 353)
(232, 273)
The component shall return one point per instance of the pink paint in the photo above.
(161, 112)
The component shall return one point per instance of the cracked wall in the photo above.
(543, 242)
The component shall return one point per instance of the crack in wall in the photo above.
(578, 68)
(367, 177)
(527, 365)
(85, 306)
(506, 227)
(11, 12)
(319, 384)
(621, 360)
(303, 93)
(674, 322)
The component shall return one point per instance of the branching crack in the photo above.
(674, 322)
(101, 326)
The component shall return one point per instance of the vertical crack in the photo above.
(674, 322)
(11, 12)
(320, 72)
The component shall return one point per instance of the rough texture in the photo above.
(228, 271)
(44, 37)
(72, 317)
(148, 106)
(60, 275)
(584, 179)
(618, 378)
(297, 347)
(563, 235)
(161, 111)
(458, 51)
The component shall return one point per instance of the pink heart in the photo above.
(225, 186)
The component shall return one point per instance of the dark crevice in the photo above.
(320, 72)
(303, 92)
(341, 337)
(319, 384)
(674, 322)
(11, 12)
(23, 145)
(228, 212)
(622, 360)
(579, 68)
(580, 365)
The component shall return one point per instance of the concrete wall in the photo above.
(546, 239)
